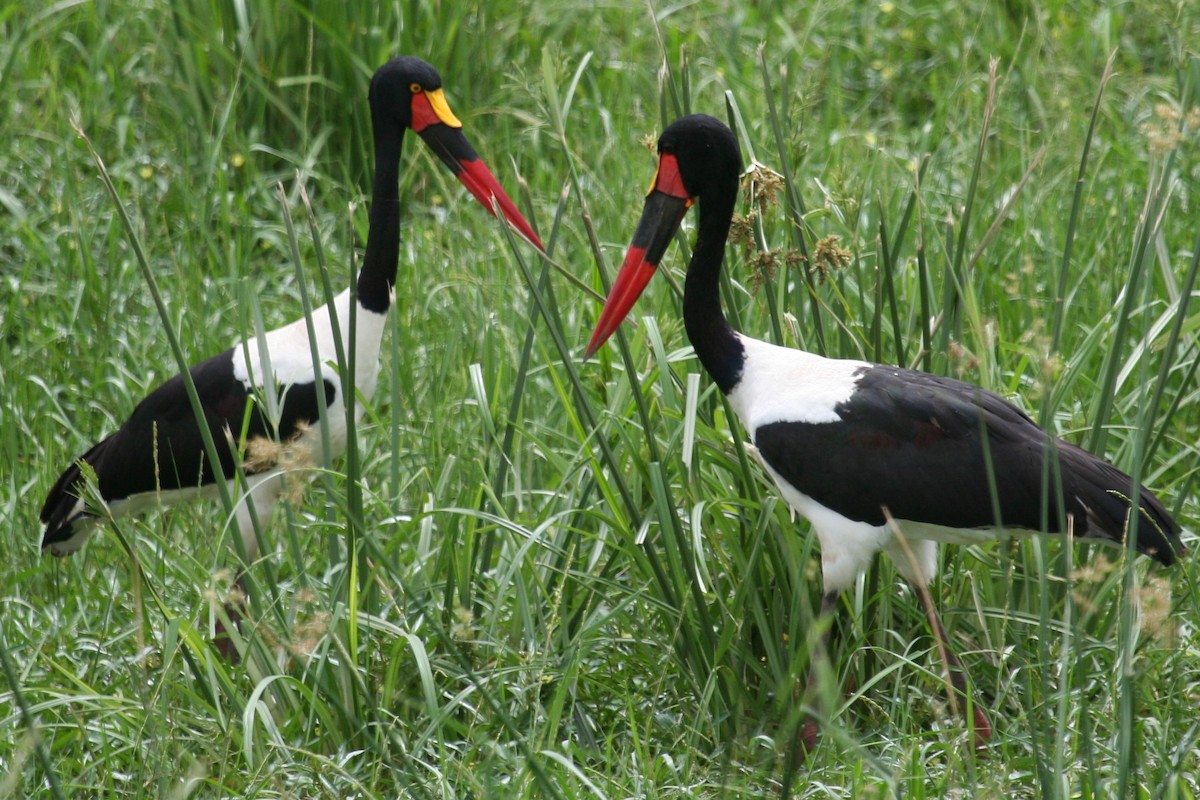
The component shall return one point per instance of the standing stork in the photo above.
(875, 457)
(157, 456)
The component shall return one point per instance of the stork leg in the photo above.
(916, 561)
(958, 690)
(264, 492)
(809, 730)
(233, 610)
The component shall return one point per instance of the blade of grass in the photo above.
(958, 282)
(794, 203)
(1060, 295)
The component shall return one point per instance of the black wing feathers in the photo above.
(160, 446)
(921, 445)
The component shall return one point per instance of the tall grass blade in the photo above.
(1064, 269)
(794, 203)
(959, 283)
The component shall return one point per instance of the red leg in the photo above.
(959, 691)
(810, 731)
(233, 609)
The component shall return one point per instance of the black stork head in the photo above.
(408, 91)
(698, 160)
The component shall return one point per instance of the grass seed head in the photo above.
(763, 266)
(1169, 127)
(261, 454)
(1153, 602)
(964, 360)
(762, 185)
(829, 256)
(741, 231)
(294, 457)
(463, 628)
(308, 633)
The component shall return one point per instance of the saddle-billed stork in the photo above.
(864, 450)
(157, 456)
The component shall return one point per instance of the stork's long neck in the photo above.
(378, 274)
(715, 342)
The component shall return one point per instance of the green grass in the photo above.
(549, 578)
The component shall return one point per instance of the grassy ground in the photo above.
(550, 578)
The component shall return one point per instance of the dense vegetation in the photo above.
(543, 577)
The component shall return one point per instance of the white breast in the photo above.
(780, 384)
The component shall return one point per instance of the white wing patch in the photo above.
(291, 361)
(290, 352)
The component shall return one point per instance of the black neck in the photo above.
(378, 274)
(715, 342)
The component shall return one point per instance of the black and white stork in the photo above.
(862, 450)
(157, 456)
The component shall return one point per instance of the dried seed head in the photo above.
(1153, 602)
(464, 625)
(829, 256)
(294, 457)
(963, 359)
(763, 267)
(261, 454)
(1161, 138)
(1193, 119)
(307, 634)
(1051, 367)
(762, 185)
(741, 231)
(1095, 572)
(1166, 112)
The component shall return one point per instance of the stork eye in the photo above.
(415, 88)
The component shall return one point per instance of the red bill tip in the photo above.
(483, 185)
(631, 281)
